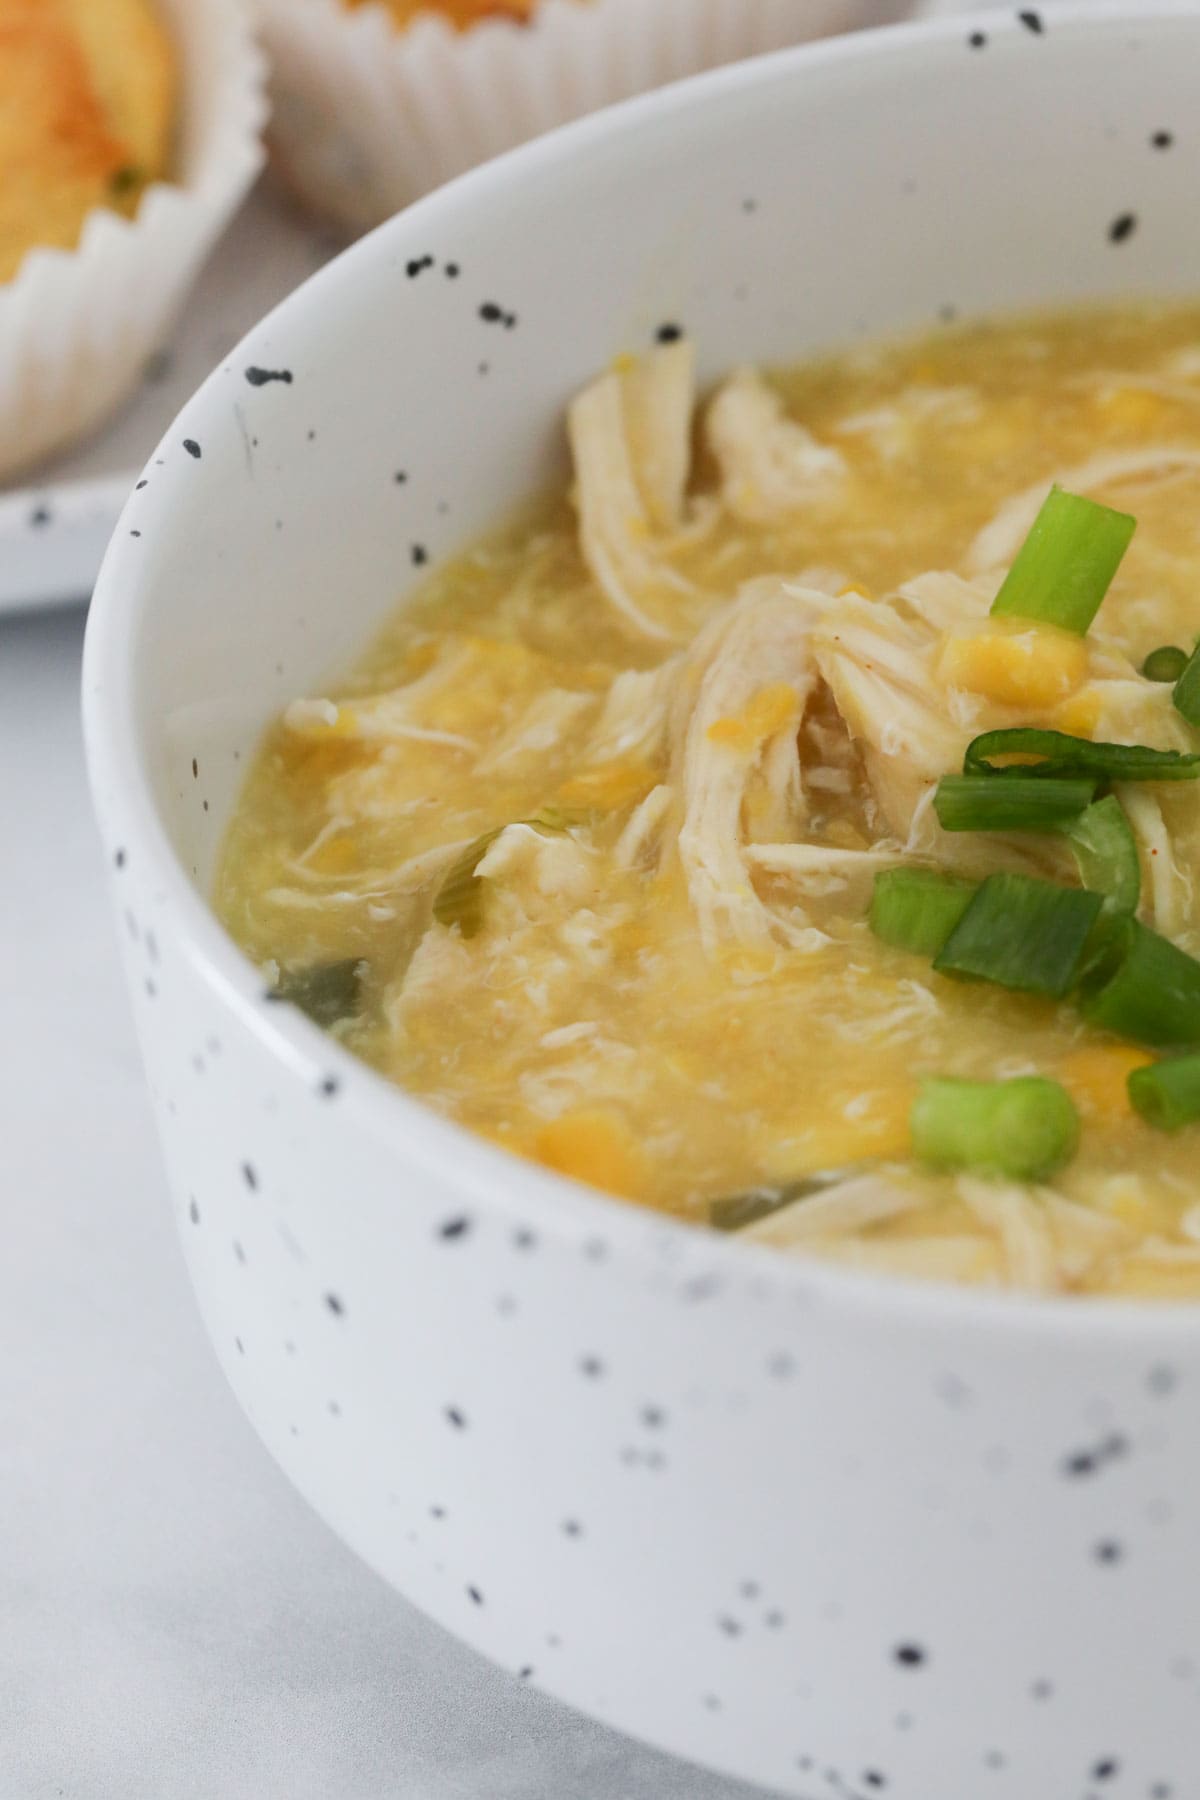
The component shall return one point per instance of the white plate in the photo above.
(53, 530)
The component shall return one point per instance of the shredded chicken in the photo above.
(426, 709)
(893, 430)
(1084, 1236)
(645, 823)
(769, 465)
(541, 930)
(1002, 537)
(630, 435)
(411, 877)
(542, 727)
(722, 749)
(538, 872)
(633, 718)
(381, 716)
(441, 967)
(803, 859)
(944, 600)
(849, 1206)
(881, 671)
(1020, 1221)
(1167, 888)
(658, 394)
(971, 1261)
(1130, 709)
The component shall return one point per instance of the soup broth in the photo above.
(582, 853)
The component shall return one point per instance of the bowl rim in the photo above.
(487, 1176)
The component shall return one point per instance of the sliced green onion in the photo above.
(980, 803)
(917, 909)
(327, 992)
(1023, 1129)
(1106, 854)
(1167, 663)
(1062, 755)
(459, 900)
(1066, 565)
(1167, 1094)
(1143, 987)
(1187, 689)
(735, 1211)
(1023, 934)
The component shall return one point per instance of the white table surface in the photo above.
(174, 1623)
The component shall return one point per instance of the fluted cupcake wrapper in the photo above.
(77, 327)
(367, 117)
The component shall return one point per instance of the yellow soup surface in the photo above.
(582, 851)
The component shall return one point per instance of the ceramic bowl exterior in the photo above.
(837, 1536)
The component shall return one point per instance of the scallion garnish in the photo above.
(917, 909)
(1143, 987)
(1187, 689)
(327, 992)
(459, 900)
(1066, 565)
(1022, 1129)
(1167, 1094)
(1106, 854)
(980, 803)
(1060, 755)
(1021, 933)
(1167, 663)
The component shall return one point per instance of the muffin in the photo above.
(129, 132)
(459, 13)
(87, 102)
(377, 101)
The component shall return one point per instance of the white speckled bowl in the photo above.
(832, 1535)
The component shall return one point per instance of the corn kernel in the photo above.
(592, 1146)
(314, 762)
(766, 713)
(878, 1126)
(608, 787)
(771, 709)
(1096, 1079)
(336, 855)
(1133, 408)
(1035, 665)
(731, 732)
(1080, 715)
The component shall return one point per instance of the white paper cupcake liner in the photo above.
(365, 117)
(77, 326)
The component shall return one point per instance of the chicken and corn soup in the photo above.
(777, 830)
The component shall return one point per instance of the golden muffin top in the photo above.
(87, 92)
(462, 14)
